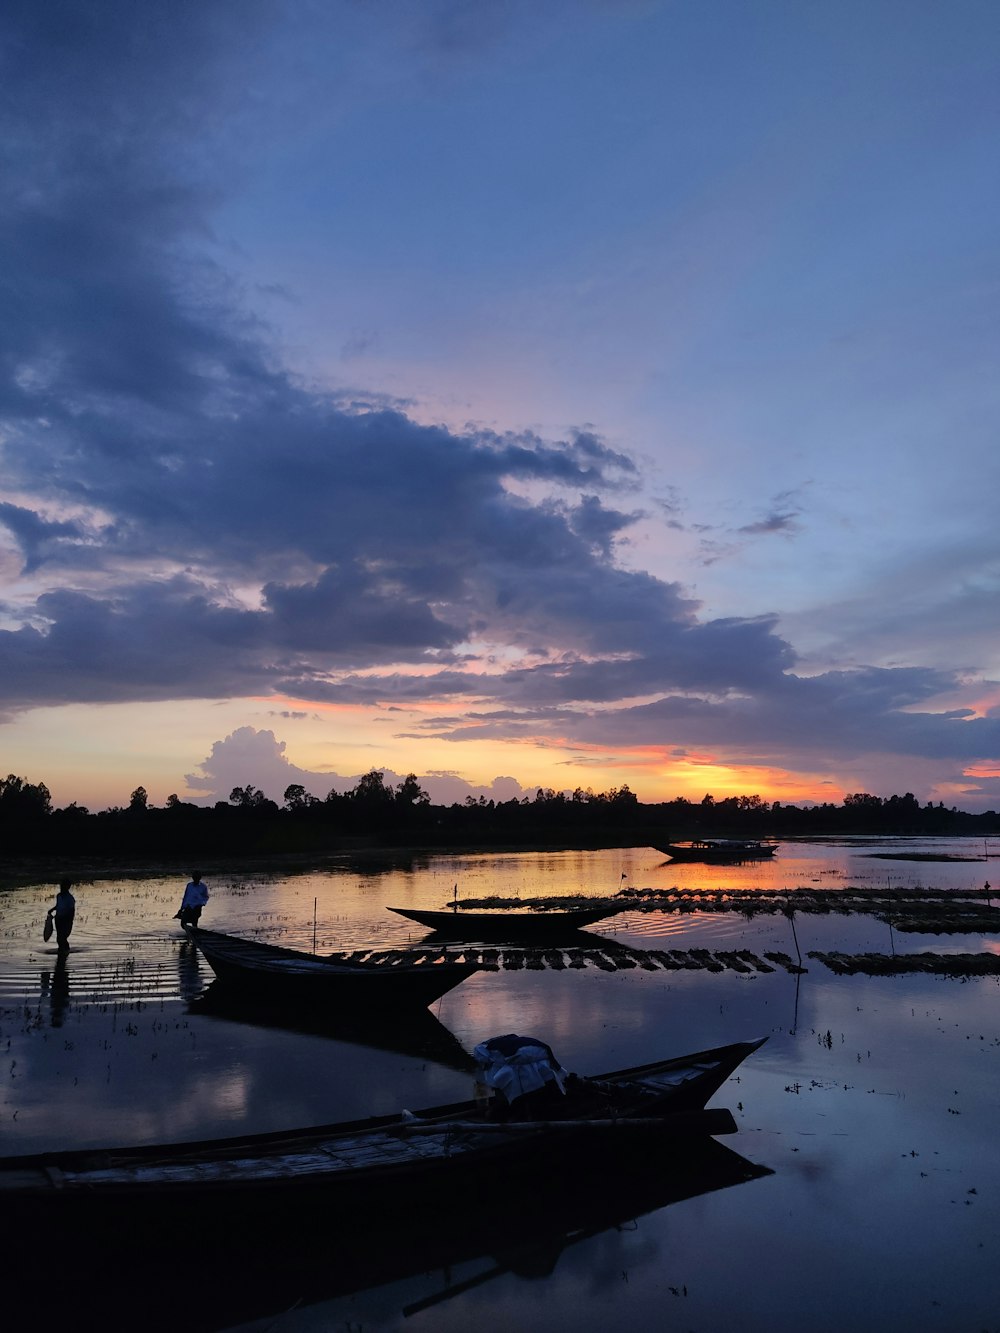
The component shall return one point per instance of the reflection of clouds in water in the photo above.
(227, 1091)
(858, 1074)
(143, 1068)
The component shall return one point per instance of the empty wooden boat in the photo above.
(268, 971)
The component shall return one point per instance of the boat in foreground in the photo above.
(433, 1245)
(719, 849)
(271, 1181)
(506, 925)
(279, 975)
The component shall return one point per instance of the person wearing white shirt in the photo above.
(195, 898)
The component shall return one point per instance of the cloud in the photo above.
(38, 538)
(782, 517)
(195, 521)
(851, 719)
(773, 522)
(595, 523)
(235, 529)
(257, 758)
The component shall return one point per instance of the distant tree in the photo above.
(751, 803)
(906, 802)
(409, 792)
(247, 798)
(252, 800)
(371, 790)
(21, 799)
(138, 802)
(297, 798)
(174, 802)
(72, 811)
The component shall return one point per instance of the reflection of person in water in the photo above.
(55, 984)
(63, 914)
(195, 898)
(190, 981)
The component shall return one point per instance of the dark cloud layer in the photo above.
(194, 522)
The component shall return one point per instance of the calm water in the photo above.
(874, 1103)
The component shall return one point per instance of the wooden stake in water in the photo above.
(314, 925)
(789, 911)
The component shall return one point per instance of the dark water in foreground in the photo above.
(874, 1103)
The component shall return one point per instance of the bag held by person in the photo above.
(47, 928)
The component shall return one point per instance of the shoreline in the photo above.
(25, 869)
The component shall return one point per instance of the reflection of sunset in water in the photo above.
(873, 1099)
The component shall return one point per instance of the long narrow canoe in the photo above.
(272, 1178)
(506, 925)
(719, 850)
(268, 971)
(433, 1243)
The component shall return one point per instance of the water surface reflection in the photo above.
(55, 988)
(874, 1102)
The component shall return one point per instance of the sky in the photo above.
(587, 394)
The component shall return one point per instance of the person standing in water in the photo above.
(195, 898)
(63, 914)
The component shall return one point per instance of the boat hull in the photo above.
(285, 976)
(506, 926)
(203, 1235)
(459, 1144)
(718, 852)
(281, 1253)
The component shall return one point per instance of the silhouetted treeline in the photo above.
(376, 814)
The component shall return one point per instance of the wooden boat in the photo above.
(434, 1244)
(507, 926)
(272, 1181)
(276, 974)
(719, 849)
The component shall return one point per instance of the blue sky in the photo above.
(576, 394)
